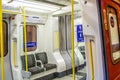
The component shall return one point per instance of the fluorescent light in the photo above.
(36, 10)
(40, 6)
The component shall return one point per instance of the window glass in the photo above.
(114, 34)
(5, 38)
(31, 37)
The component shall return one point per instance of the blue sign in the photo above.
(79, 28)
(31, 44)
(80, 36)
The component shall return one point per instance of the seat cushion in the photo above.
(49, 66)
(35, 70)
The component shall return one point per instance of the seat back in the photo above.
(42, 56)
(31, 61)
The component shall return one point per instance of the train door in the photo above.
(7, 59)
(111, 13)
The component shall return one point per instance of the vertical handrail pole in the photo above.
(1, 43)
(72, 27)
(25, 38)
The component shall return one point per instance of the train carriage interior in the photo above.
(57, 40)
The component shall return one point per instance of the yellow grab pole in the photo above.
(91, 59)
(14, 53)
(57, 39)
(72, 27)
(1, 43)
(25, 38)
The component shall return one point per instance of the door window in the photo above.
(114, 34)
(5, 38)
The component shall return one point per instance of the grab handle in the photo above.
(14, 47)
(91, 58)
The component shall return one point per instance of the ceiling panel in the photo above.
(57, 2)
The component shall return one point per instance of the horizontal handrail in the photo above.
(11, 12)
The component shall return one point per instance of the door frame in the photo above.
(105, 32)
(8, 55)
(101, 20)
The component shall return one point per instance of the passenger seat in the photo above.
(43, 57)
(32, 65)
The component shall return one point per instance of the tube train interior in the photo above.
(59, 39)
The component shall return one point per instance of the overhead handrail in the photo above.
(91, 58)
(72, 30)
(11, 12)
(25, 38)
(1, 43)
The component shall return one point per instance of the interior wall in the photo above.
(55, 33)
(49, 29)
(41, 31)
(78, 21)
(92, 28)
(41, 38)
(45, 34)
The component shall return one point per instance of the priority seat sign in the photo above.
(80, 36)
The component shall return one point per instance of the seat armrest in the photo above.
(39, 61)
(25, 74)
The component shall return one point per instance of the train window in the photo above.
(31, 37)
(114, 34)
(5, 37)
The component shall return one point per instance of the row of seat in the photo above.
(37, 63)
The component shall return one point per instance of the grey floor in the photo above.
(80, 75)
